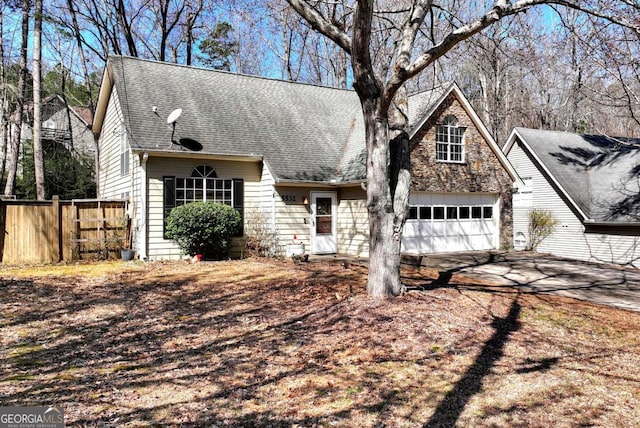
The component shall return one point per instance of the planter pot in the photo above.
(127, 255)
(295, 249)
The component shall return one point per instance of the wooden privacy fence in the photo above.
(54, 231)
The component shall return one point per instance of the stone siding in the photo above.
(481, 171)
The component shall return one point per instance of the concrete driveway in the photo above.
(539, 273)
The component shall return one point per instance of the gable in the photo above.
(596, 174)
(483, 170)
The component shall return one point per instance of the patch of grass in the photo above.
(24, 349)
(352, 390)
(82, 269)
(19, 378)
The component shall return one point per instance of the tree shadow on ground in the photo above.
(266, 344)
(453, 404)
(526, 273)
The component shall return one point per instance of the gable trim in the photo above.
(178, 154)
(106, 87)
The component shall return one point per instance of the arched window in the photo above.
(203, 185)
(450, 140)
(204, 171)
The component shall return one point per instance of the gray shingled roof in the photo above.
(599, 173)
(303, 132)
(422, 104)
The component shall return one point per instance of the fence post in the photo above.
(3, 231)
(57, 232)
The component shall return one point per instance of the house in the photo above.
(61, 124)
(589, 183)
(291, 158)
(64, 124)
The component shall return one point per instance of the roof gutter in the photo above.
(592, 222)
(307, 183)
(212, 156)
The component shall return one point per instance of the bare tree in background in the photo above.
(4, 103)
(18, 114)
(38, 156)
(379, 85)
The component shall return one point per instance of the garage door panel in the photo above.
(440, 244)
(437, 228)
(466, 228)
(486, 227)
(453, 229)
(465, 243)
(430, 232)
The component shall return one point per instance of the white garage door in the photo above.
(451, 222)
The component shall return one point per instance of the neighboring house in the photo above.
(290, 157)
(589, 183)
(69, 126)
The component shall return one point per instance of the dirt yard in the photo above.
(262, 343)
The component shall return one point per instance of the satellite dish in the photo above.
(173, 116)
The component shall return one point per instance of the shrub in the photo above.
(541, 225)
(261, 240)
(203, 228)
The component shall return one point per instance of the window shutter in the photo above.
(238, 201)
(169, 201)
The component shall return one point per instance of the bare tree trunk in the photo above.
(388, 183)
(38, 157)
(4, 103)
(121, 14)
(19, 113)
(189, 35)
(384, 253)
(87, 80)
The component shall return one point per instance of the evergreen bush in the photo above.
(203, 228)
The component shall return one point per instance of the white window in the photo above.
(450, 212)
(203, 186)
(124, 151)
(524, 195)
(450, 141)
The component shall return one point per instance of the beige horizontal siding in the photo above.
(110, 182)
(292, 216)
(157, 168)
(353, 222)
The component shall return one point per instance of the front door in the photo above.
(324, 225)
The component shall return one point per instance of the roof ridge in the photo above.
(631, 140)
(230, 73)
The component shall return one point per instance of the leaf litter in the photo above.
(272, 343)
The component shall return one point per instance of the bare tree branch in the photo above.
(321, 24)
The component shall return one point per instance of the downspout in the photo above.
(142, 229)
(273, 219)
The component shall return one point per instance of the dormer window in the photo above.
(450, 141)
